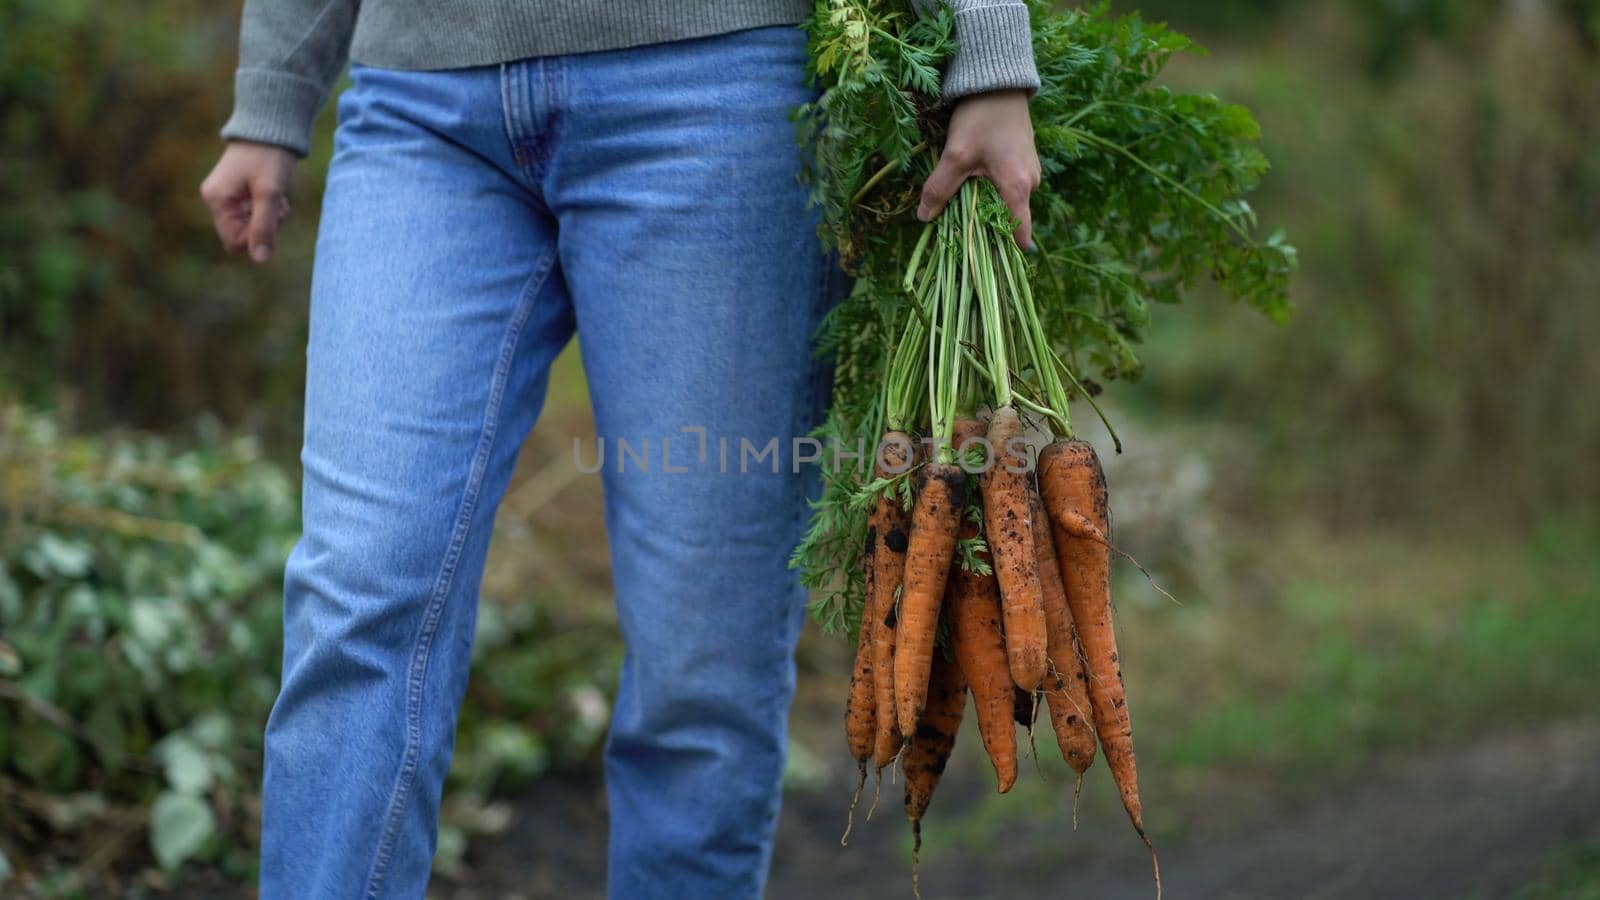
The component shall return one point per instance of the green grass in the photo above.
(1355, 666)
(1498, 660)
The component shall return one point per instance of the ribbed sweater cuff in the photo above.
(994, 51)
(274, 108)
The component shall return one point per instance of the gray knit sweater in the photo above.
(292, 51)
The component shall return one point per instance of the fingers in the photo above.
(247, 195)
(229, 205)
(1024, 232)
(1016, 184)
(268, 207)
(942, 184)
(1016, 187)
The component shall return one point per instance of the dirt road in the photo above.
(1475, 821)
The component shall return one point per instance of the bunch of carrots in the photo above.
(1012, 557)
(973, 555)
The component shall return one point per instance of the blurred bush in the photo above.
(115, 298)
(1448, 218)
(140, 645)
(1390, 29)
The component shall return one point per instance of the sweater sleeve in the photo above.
(994, 47)
(290, 54)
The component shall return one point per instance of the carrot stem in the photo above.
(916, 257)
(888, 167)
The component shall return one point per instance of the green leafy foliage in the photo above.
(139, 604)
(140, 643)
(180, 824)
(1143, 190)
(115, 294)
(1443, 369)
(1142, 201)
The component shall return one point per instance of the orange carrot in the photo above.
(1066, 682)
(860, 718)
(935, 734)
(1008, 523)
(1074, 488)
(889, 525)
(981, 650)
(935, 519)
(974, 610)
(861, 713)
(930, 745)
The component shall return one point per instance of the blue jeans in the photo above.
(474, 219)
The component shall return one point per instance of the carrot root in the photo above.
(929, 750)
(1066, 685)
(877, 788)
(1155, 864)
(1074, 489)
(975, 635)
(850, 817)
(890, 525)
(1008, 525)
(935, 520)
(1077, 794)
(916, 860)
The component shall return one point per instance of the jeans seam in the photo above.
(509, 96)
(531, 114)
(417, 671)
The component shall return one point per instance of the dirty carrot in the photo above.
(935, 520)
(889, 525)
(1074, 488)
(929, 749)
(1008, 524)
(1066, 682)
(974, 610)
(861, 712)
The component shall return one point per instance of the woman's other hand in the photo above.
(248, 193)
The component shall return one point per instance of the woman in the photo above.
(507, 173)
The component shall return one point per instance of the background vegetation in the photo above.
(1380, 516)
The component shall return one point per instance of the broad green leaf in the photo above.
(52, 555)
(180, 824)
(186, 765)
(149, 622)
